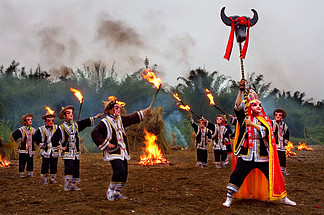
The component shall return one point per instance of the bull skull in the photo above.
(241, 23)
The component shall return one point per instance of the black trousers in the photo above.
(229, 148)
(282, 158)
(26, 159)
(49, 164)
(120, 170)
(243, 168)
(220, 155)
(72, 167)
(202, 155)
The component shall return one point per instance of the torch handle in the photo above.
(157, 91)
(221, 110)
(79, 111)
(195, 114)
(242, 71)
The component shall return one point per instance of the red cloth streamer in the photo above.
(242, 21)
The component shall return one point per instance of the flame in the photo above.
(152, 154)
(77, 94)
(175, 95)
(49, 110)
(151, 77)
(290, 153)
(184, 107)
(302, 146)
(4, 162)
(118, 102)
(211, 97)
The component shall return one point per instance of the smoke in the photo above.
(180, 49)
(173, 34)
(61, 72)
(170, 124)
(118, 34)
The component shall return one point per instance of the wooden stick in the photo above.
(221, 110)
(79, 111)
(157, 91)
(242, 71)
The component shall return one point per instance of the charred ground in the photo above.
(179, 188)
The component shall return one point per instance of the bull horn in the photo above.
(255, 17)
(225, 19)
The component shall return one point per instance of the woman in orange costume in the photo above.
(256, 169)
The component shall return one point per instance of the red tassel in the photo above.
(230, 42)
(246, 41)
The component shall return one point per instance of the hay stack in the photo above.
(153, 124)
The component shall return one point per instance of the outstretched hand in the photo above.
(147, 111)
(99, 115)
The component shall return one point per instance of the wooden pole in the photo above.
(242, 71)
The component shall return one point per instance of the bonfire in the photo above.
(289, 152)
(4, 162)
(152, 154)
(302, 146)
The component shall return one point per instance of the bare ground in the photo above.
(180, 188)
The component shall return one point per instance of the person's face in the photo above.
(201, 124)
(219, 120)
(256, 107)
(49, 121)
(29, 121)
(278, 116)
(115, 111)
(69, 114)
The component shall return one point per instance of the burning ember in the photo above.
(118, 102)
(77, 94)
(302, 146)
(211, 97)
(4, 162)
(49, 110)
(151, 77)
(184, 107)
(290, 153)
(175, 95)
(152, 154)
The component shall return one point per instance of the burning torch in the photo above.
(183, 106)
(212, 102)
(49, 110)
(79, 96)
(151, 77)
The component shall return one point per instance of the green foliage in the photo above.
(27, 92)
(5, 130)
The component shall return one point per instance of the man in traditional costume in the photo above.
(66, 138)
(255, 160)
(220, 139)
(26, 149)
(110, 137)
(203, 135)
(281, 132)
(50, 155)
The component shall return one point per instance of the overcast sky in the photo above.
(286, 45)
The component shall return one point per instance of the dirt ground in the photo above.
(179, 188)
